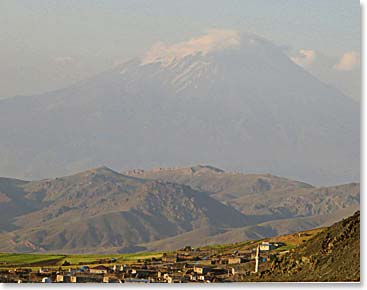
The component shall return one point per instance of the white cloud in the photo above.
(348, 61)
(338, 72)
(215, 39)
(304, 57)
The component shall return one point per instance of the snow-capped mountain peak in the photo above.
(214, 40)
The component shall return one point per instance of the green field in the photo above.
(286, 248)
(16, 259)
(227, 247)
(8, 260)
(13, 260)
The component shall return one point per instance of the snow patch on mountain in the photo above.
(191, 73)
(214, 40)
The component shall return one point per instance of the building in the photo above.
(99, 270)
(43, 271)
(62, 279)
(46, 280)
(266, 246)
(134, 280)
(236, 260)
(167, 258)
(202, 270)
(174, 278)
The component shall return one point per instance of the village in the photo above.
(187, 265)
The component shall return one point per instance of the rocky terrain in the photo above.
(332, 255)
(270, 195)
(101, 210)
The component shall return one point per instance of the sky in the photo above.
(46, 45)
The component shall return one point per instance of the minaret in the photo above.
(257, 259)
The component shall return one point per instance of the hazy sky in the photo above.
(49, 44)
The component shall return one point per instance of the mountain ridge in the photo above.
(101, 210)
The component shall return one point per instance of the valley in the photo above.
(323, 254)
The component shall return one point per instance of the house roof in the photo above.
(100, 267)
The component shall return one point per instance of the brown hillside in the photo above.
(331, 255)
(99, 209)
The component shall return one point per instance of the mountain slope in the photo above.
(270, 228)
(13, 202)
(100, 209)
(222, 185)
(262, 195)
(245, 106)
(332, 255)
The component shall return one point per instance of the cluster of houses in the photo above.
(183, 266)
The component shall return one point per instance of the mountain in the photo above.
(222, 185)
(235, 100)
(101, 210)
(262, 195)
(331, 255)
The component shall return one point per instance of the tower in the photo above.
(257, 259)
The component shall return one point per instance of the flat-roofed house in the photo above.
(99, 270)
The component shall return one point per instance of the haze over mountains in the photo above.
(101, 210)
(233, 100)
